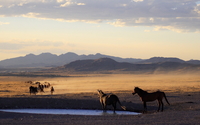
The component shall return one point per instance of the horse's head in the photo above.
(100, 92)
(133, 93)
(136, 89)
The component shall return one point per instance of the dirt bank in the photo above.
(184, 109)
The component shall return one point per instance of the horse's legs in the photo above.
(114, 107)
(105, 108)
(145, 107)
(162, 105)
(159, 102)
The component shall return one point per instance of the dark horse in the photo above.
(147, 97)
(109, 99)
(33, 90)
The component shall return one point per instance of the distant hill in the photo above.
(94, 65)
(193, 61)
(161, 60)
(52, 60)
(107, 64)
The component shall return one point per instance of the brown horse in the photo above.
(33, 90)
(52, 90)
(110, 99)
(147, 97)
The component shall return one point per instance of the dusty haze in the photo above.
(117, 82)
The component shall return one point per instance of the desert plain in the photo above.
(80, 92)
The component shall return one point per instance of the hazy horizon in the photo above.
(127, 29)
(87, 55)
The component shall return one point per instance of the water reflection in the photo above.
(69, 111)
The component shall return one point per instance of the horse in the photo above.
(31, 82)
(147, 97)
(41, 87)
(109, 99)
(47, 85)
(52, 90)
(33, 90)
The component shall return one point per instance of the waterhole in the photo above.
(69, 111)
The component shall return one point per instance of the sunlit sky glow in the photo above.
(123, 28)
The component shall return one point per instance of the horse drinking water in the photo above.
(109, 99)
(147, 97)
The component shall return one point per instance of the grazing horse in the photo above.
(47, 85)
(110, 99)
(52, 90)
(147, 97)
(41, 87)
(33, 90)
(31, 82)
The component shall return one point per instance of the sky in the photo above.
(122, 28)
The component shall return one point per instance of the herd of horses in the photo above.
(40, 87)
(112, 99)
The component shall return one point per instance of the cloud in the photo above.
(9, 46)
(31, 15)
(137, 0)
(175, 15)
(3, 23)
(59, 1)
(69, 3)
(16, 45)
(146, 30)
(178, 24)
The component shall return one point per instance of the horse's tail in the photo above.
(123, 107)
(165, 98)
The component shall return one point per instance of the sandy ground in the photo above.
(184, 108)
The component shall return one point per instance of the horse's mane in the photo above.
(103, 94)
(142, 91)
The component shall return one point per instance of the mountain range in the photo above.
(108, 64)
(97, 62)
(52, 60)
